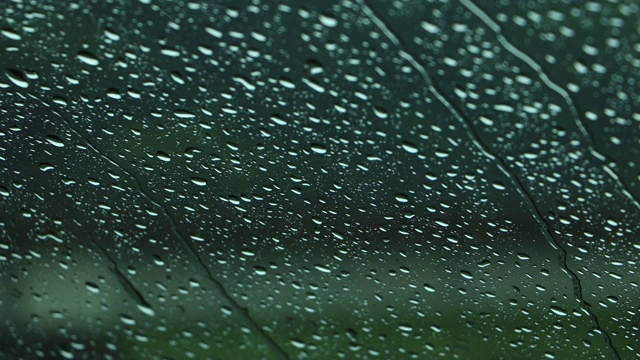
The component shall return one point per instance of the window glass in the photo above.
(324, 179)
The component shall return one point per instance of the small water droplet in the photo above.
(162, 156)
(503, 108)
(199, 181)
(88, 58)
(318, 149)
(499, 186)
(226, 310)
(402, 198)
(146, 309)
(409, 147)
(466, 274)
(380, 112)
(55, 141)
(17, 78)
(328, 20)
(127, 320)
(322, 268)
(559, 311)
(486, 121)
(429, 27)
(259, 270)
(92, 287)
(184, 114)
(46, 167)
(297, 343)
(11, 34)
(278, 120)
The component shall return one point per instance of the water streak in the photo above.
(607, 163)
(485, 150)
(189, 248)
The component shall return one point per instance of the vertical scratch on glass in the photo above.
(484, 149)
(189, 248)
(607, 163)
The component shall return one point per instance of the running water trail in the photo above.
(607, 164)
(485, 150)
(188, 247)
(124, 281)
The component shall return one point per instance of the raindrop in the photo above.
(486, 121)
(11, 34)
(55, 141)
(46, 167)
(318, 149)
(559, 311)
(429, 27)
(17, 78)
(503, 108)
(429, 288)
(499, 186)
(259, 270)
(322, 268)
(146, 309)
(278, 120)
(409, 147)
(380, 112)
(87, 58)
(92, 287)
(184, 114)
(199, 181)
(163, 156)
(297, 343)
(127, 320)
(466, 274)
(328, 20)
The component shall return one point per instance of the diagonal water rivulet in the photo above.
(484, 149)
(189, 248)
(579, 121)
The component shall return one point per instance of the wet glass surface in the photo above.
(316, 180)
